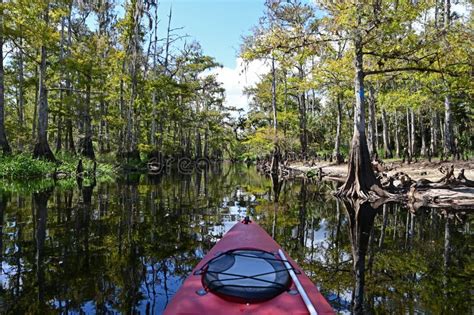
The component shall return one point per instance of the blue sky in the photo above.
(217, 25)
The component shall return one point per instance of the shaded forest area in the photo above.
(359, 81)
(95, 78)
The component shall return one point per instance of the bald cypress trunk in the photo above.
(302, 113)
(59, 143)
(103, 137)
(86, 147)
(409, 145)
(276, 150)
(386, 144)
(337, 143)
(423, 150)
(449, 148)
(371, 133)
(412, 132)
(42, 149)
(397, 135)
(130, 149)
(434, 133)
(21, 97)
(361, 177)
(448, 127)
(70, 146)
(4, 145)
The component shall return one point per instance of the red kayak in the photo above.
(247, 272)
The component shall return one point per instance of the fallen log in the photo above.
(458, 198)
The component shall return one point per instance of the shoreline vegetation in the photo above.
(24, 173)
(87, 97)
(433, 184)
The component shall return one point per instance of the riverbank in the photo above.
(436, 184)
(416, 171)
(23, 172)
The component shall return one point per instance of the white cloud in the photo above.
(462, 9)
(234, 80)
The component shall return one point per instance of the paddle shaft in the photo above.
(297, 282)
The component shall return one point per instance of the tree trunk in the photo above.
(21, 97)
(59, 125)
(371, 140)
(337, 154)
(86, 147)
(168, 42)
(121, 146)
(377, 135)
(422, 135)
(198, 144)
(386, 144)
(206, 143)
(70, 137)
(412, 129)
(448, 128)
(449, 148)
(434, 133)
(4, 146)
(42, 149)
(34, 128)
(441, 130)
(104, 20)
(103, 137)
(361, 177)
(397, 135)
(61, 92)
(276, 150)
(71, 148)
(154, 118)
(410, 152)
(302, 113)
(132, 126)
(447, 13)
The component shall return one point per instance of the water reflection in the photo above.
(127, 246)
(361, 222)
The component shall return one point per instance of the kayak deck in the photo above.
(187, 301)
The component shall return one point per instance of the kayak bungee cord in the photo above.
(240, 277)
(231, 253)
(246, 275)
(300, 288)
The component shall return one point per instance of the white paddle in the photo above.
(297, 282)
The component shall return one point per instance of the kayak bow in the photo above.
(248, 272)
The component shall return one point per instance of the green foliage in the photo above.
(23, 166)
(410, 60)
(16, 169)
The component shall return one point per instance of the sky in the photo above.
(218, 25)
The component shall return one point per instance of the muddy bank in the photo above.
(447, 185)
(420, 170)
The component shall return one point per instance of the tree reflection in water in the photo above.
(361, 222)
(127, 246)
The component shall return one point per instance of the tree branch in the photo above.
(418, 69)
(76, 90)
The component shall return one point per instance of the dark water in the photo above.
(126, 246)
